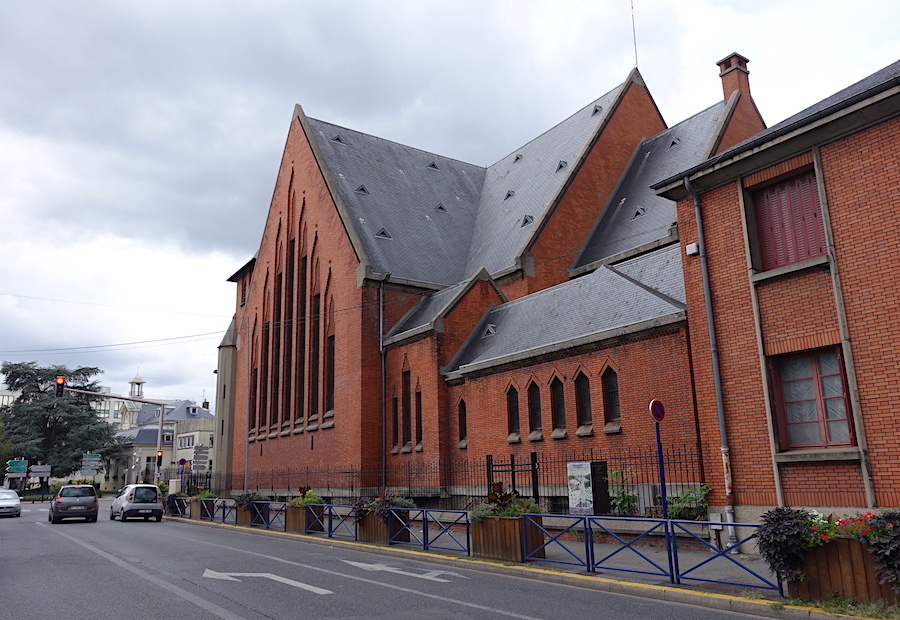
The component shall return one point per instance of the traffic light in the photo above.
(159, 454)
(60, 386)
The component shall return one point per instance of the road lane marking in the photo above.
(431, 575)
(212, 608)
(211, 574)
(437, 597)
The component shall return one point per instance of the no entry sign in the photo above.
(657, 410)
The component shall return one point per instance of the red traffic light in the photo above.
(159, 453)
(60, 386)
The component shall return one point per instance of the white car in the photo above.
(10, 504)
(138, 501)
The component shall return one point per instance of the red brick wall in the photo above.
(862, 183)
(634, 119)
(647, 368)
(302, 208)
(798, 311)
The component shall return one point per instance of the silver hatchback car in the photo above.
(136, 501)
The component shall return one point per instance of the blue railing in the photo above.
(623, 544)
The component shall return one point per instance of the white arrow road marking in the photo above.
(211, 574)
(430, 575)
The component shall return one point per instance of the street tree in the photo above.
(55, 431)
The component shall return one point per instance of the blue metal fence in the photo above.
(595, 544)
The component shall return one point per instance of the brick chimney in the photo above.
(205, 404)
(734, 74)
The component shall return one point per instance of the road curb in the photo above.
(672, 594)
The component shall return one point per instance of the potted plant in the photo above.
(499, 531)
(857, 556)
(376, 522)
(245, 512)
(304, 513)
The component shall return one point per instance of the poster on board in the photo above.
(581, 493)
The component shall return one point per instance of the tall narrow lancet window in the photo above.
(315, 353)
(534, 412)
(407, 409)
(463, 424)
(512, 414)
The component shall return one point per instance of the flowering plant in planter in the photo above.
(786, 534)
(307, 496)
(203, 494)
(503, 503)
(381, 506)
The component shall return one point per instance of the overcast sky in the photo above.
(139, 141)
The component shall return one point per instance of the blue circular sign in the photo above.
(657, 410)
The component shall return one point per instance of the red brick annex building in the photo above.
(410, 318)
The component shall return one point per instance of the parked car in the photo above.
(138, 500)
(10, 505)
(74, 500)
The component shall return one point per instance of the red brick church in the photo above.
(409, 317)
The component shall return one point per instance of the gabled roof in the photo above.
(637, 295)
(431, 220)
(634, 214)
(884, 81)
(423, 316)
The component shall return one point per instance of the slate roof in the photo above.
(880, 81)
(176, 411)
(435, 220)
(635, 215)
(635, 295)
(145, 435)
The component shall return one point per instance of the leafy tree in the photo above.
(55, 431)
(6, 452)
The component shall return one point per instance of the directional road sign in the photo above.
(16, 466)
(39, 470)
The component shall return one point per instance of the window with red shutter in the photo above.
(789, 221)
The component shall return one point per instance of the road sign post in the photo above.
(658, 413)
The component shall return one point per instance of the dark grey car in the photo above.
(74, 500)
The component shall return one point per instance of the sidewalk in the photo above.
(739, 599)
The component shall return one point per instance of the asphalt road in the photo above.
(175, 569)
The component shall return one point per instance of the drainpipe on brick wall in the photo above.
(383, 380)
(717, 379)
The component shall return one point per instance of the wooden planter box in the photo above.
(503, 538)
(242, 517)
(303, 519)
(195, 509)
(373, 530)
(842, 565)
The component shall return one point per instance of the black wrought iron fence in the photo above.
(626, 481)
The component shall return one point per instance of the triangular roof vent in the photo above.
(673, 143)
(382, 234)
(509, 195)
(441, 208)
(362, 190)
(490, 330)
(518, 157)
(597, 110)
(337, 138)
(433, 166)
(638, 213)
(528, 219)
(562, 164)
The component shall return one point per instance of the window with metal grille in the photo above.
(789, 222)
(611, 411)
(811, 402)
